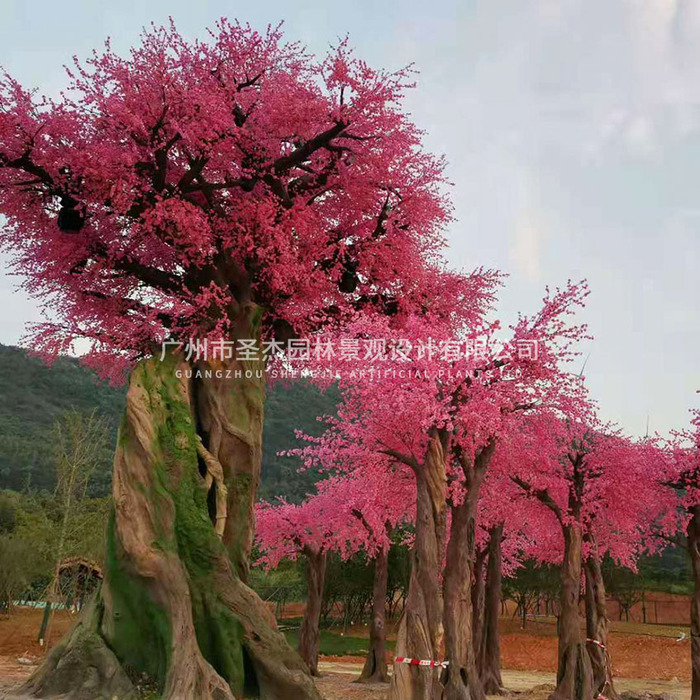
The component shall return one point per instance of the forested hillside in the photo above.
(33, 396)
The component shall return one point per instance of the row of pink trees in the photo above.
(348, 514)
(603, 491)
(234, 190)
(443, 419)
(561, 487)
(238, 191)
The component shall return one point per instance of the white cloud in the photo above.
(528, 237)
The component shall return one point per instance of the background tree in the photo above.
(311, 529)
(78, 441)
(509, 529)
(576, 471)
(382, 500)
(19, 559)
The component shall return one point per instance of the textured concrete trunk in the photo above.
(310, 626)
(574, 673)
(597, 625)
(694, 551)
(461, 679)
(489, 648)
(375, 668)
(173, 608)
(420, 630)
(478, 595)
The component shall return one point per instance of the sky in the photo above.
(572, 132)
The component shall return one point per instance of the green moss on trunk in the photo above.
(219, 633)
(139, 630)
(140, 633)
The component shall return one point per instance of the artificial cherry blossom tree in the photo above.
(233, 190)
(506, 533)
(602, 488)
(381, 498)
(349, 514)
(380, 495)
(288, 531)
(439, 413)
(496, 390)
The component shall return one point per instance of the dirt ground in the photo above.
(645, 657)
(337, 683)
(637, 651)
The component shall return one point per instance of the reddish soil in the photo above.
(633, 656)
(18, 632)
(533, 649)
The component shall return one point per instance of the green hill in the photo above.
(33, 396)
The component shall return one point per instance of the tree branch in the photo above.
(541, 495)
(302, 153)
(399, 456)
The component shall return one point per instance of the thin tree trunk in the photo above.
(420, 630)
(310, 627)
(597, 626)
(172, 606)
(694, 550)
(45, 629)
(375, 669)
(478, 595)
(574, 673)
(489, 648)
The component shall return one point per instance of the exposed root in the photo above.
(280, 672)
(81, 667)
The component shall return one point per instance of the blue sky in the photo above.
(572, 131)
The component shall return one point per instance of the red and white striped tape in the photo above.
(420, 662)
(597, 643)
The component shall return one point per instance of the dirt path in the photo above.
(530, 655)
(337, 683)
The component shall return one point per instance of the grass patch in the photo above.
(333, 644)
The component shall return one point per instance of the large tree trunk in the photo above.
(310, 627)
(694, 550)
(597, 625)
(489, 648)
(461, 678)
(478, 595)
(420, 629)
(375, 668)
(574, 673)
(172, 608)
